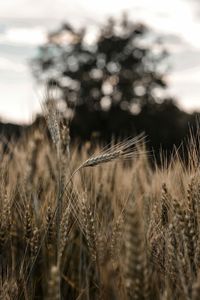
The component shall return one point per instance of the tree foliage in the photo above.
(120, 69)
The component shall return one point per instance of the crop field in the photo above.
(83, 222)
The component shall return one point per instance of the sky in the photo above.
(24, 24)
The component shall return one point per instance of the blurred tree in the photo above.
(120, 69)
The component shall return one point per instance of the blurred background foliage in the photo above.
(117, 69)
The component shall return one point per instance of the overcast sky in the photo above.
(24, 23)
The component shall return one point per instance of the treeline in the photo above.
(165, 125)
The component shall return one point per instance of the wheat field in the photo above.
(86, 223)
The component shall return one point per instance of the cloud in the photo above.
(36, 8)
(23, 35)
(12, 66)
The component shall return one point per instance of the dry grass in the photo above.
(114, 231)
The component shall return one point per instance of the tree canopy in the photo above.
(119, 69)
